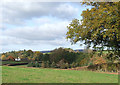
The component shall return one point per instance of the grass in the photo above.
(14, 74)
(11, 62)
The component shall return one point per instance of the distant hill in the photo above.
(80, 50)
(45, 51)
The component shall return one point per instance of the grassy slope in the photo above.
(35, 75)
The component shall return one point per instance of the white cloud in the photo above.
(66, 11)
(47, 34)
(43, 32)
(17, 13)
(8, 40)
(42, 20)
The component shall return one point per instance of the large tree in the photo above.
(99, 26)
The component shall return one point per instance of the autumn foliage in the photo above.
(98, 60)
(10, 58)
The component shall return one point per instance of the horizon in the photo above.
(37, 50)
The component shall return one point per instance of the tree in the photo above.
(46, 57)
(29, 53)
(3, 57)
(10, 58)
(99, 26)
(62, 54)
(38, 56)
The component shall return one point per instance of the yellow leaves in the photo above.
(104, 36)
(104, 16)
(3, 57)
(117, 36)
(29, 58)
(104, 9)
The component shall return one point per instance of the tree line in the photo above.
(61, 58)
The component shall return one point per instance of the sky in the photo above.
(38, 26)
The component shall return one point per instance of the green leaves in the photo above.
(99, 26)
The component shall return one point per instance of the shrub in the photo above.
(83, 59)
(47, 64)
(63, 66)
(84, 62)
(31, 64)
(99, 60)
(106, 67)
(73, 65)
(60, 63)
(67, 65)
(53, 65)
(37, 64)
(90, 63)
(43, 64)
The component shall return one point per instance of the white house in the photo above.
(18, 59)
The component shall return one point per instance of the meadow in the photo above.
(14, 74)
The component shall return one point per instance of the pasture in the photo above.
(14, 74)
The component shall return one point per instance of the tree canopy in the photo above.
(99, 26)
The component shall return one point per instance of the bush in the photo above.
(43, 64)
(37, 64)
(53, 65)
(99, 60)
(106, 67)
(91, 63)
(60, 63)
(84, 62)
(47, 64)
(63, 66)
(83, 59)
(73, 65)
(31, 64)
(67, 65)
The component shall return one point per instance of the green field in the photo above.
(14, 74)
(11, 62)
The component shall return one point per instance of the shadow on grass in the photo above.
(60, 84)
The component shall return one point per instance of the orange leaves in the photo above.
(10, 58)
(99, 60)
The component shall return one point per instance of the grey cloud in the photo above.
(8, 40)
(17, 13)
(44, 32)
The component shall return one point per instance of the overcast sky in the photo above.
(37, 25)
